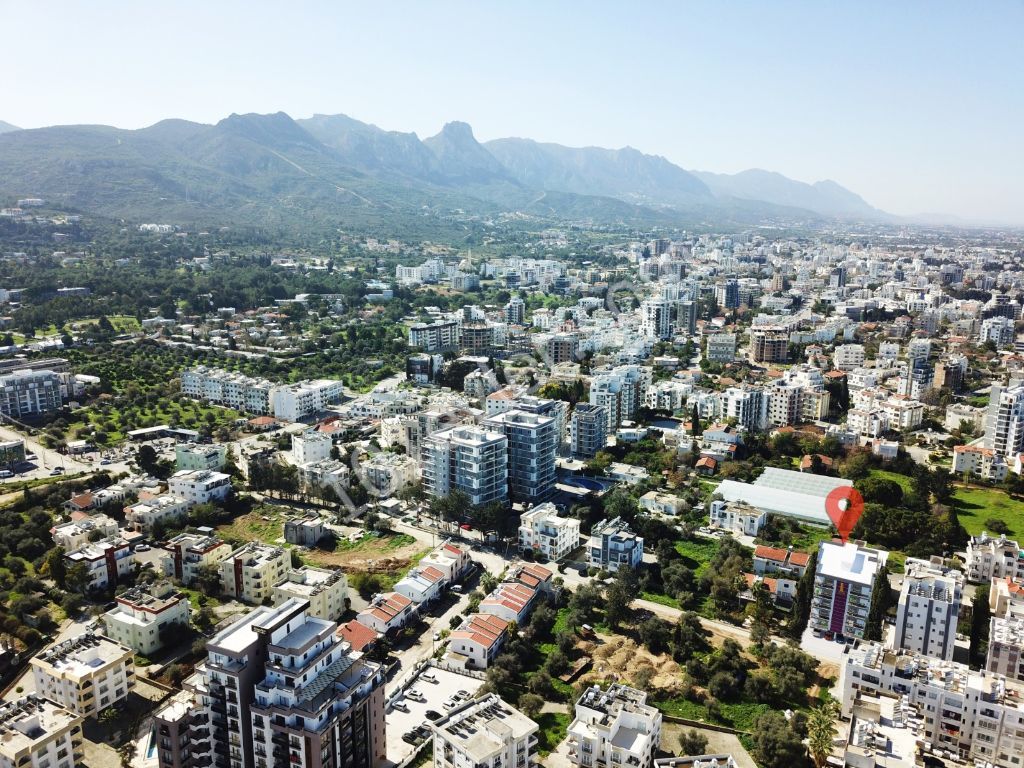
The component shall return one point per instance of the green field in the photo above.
(738, 715)
(901, 480)
(697, 553)
(975, 506)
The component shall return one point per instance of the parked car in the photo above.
(433, 714)
(410, 737)
(428, 676)
(437, 636)
(142, 548)
(401, 706)
(415, 695)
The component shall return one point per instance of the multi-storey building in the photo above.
(36, 733)
(736, 516)
(588, 430)
(473, 460)
(484, 733)
(768, 346)
(28, 394)
(388, 473)
(250, 572)
(476, 641)
(544, 532)
(187, 553)
(326, 591)
(449, 558)
(305, 530)
(976, 716)
(721, 348)
(620, 392)
(848, 356)
(199, 486)
(294, 402)
(278, 689)
(291, 402)
(614, 727)
(165, 508)
(656, 318)
(143, 617)
(686, 317)
(1004, 421)
(929, 608)
(843, 583)
(439, 336)
(193, 456)
(613, 545)
(311, 446)
(86, 674)
(785, 405)
(107, 561)
(748, 405)
(1005, 655)
(515, 311)
(999, 330)
(76, 533)
(532, 442)
(979, 461)
(990, 558)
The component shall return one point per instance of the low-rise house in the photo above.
(305, 530)
(452, 560)
(613, 545)
(510, 601)
(736, 516)
(387, 613)
(653, 502)
(146, 618)
(76, 532)
(165, 508)
(773, 561)
(476, 641)
(358, 635)
(422, 584)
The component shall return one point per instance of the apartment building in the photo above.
(107, 561)
(278, 688)
(86, 674)
(387, 613)
(37, 733)
(30, 394)
(768, 346)
(843, 583)
(545, 533)
(294, 402)
(532, 442)
(440, 336)
(187, 553)
(449, 558)
(736, 516)
(848, 356)
(199, 486)
(290, 402)
(929, 608)
(588, 430)
(143, 617)
(389, 473)
(165, 508)
(614, 727)
(1004, 421)
(613, 545)
(1005, 655)
(473, 460)
(721, 348)
(250, 572)
(976, 716)
(305, 530)
(311, 446)
(76, 533)
(999, 330)
(484, 733)
(194, 456)
(993, 557)
(476, 641)
(326, 591)
(980, 462)
(748, 406)
(620, 391)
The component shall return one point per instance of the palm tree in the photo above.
(821, 729)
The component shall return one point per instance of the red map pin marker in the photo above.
(844, 505)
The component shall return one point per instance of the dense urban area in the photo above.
(542, 493)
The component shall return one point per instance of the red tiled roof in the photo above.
(771, 553)
(357, 634)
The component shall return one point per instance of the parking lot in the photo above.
(435, 694)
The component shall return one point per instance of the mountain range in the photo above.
(333, 170)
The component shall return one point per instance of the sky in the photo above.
(916, 106)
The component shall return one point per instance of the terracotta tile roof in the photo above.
(357, 634)
(771, 553)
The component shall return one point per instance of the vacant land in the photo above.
(976, 506)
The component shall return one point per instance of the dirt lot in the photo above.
(390, 553)
(620, 658)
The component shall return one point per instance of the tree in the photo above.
(980, 625)
(55, 566)
(881, 600)
(530, 704)
(692, 742)
(618, 597)
(821, 729)
(208, 580)
(695, 427)
(776, 745)
(802, 603)
(78, 579)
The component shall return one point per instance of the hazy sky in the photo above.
(917, 106)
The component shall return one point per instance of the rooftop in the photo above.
(850, 562)
(28, 722)
(481, 728)
(83, 655)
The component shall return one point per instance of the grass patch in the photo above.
(738, 715)
(552, 731)
(901, 480)
(975, 506)
(653, 597)
(697, 553)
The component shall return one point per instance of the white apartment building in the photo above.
(848, 356)
(76, 533)
(613, 545)
(86, 674)
(614, 727)
(199, 486)
(620, 391)
(187, 553)
(736, 516)
(867, 422)
(473, 460)
(1004, 421)
(1005, 654)
(326, 591)
(588, 430)
(36, 733)
(142, 617)
(980, 462)
(484, 733)
(656, 318)
(435, 337)
(843, 583)
(294, 402)
(929, 608)
(977, 716)
(452, 560)
(748, 405)
(785, 405)
(142, 515)
(329, 473)
(311, 446)
(388, 473)
(250, 572)
(196, 456)
(107, 561)
(990, 558)
(544, 532)
(999, 330)
(532, 442)
(290, 402)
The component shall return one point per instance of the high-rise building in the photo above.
(588, 430)
(532, 443)
(929, 609)
(473, 460)
(561, 348)
(768, 346)
(748, 405)
(999, 330)
(435, 337)
(728, 294)
(28, 394)
(278, 689)
(620, 391)
(686, 317)
(515, 311)
(843, 583)
(1004, 421)
(655, 318)
(721, 348)
(614, 727)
